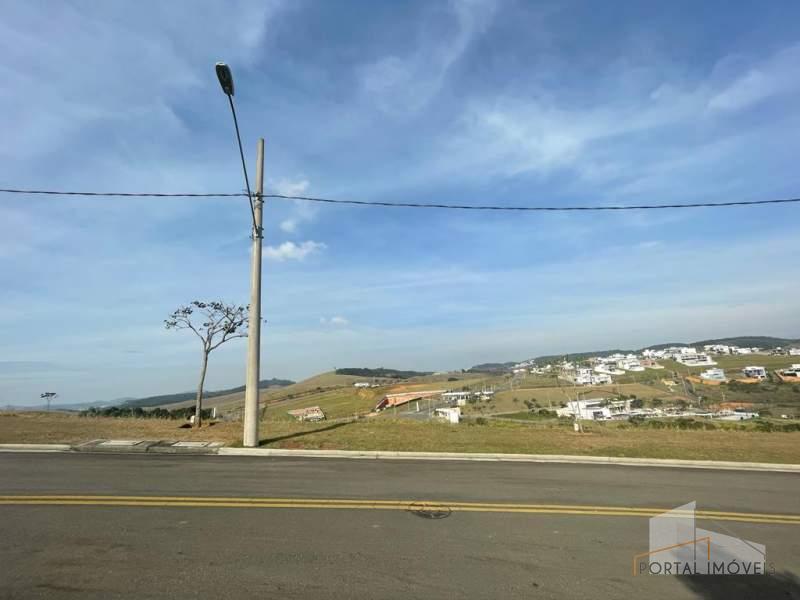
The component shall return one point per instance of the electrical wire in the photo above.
(534, 208)
(414, 204)
(244, 166)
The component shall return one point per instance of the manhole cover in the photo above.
(427, 510)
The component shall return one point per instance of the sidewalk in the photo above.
(218, 449)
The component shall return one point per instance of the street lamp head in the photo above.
(225, 78)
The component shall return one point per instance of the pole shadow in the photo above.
(266, 441)
(780, 586)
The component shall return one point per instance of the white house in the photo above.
(695, 360)
(601, 379)
(794, 351)
(630, 363)
(604, 368)
(755, 372)
(713, 375)
(718, 348)
(583, 376)
(361, 384)
(794, 371)
(595, 409)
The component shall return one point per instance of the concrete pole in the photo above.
(254, 328)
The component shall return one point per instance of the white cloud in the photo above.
(531, 130)
(406, 84)
(336, 321)
(302, 212)
(776, 75)
(287, 187)
(292, 251)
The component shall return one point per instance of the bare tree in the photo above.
(214, 323)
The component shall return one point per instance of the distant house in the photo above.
(695, 360)
(311, 413)
(361, 384)
(713, 375)
(718, 348)
(794, 351)
(583, 376)
(595, 409)
(755, 372)
(792, 373)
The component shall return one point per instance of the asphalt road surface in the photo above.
(132, 526)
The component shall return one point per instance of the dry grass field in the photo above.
(390, 434)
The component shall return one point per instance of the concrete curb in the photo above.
(154, 448)
(525, 458)
(35, 448)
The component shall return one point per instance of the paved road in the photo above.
(128, 526)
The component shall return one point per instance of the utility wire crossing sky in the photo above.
(410, 204)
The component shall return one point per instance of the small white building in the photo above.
(755, 372)
(794, 351)
(450, 414)
(361, 384)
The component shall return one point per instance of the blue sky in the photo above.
(472, 102)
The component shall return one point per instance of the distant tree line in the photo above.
(138, 412)
(184, 396)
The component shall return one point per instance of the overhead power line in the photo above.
(413, 204)
(532, 208)
(125, 194)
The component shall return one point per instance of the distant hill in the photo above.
(759, 341)
(491, 367)
(184, 396)
(381, 372)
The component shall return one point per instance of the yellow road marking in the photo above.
(322, 503)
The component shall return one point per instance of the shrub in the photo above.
(481, 421)
(766, 426)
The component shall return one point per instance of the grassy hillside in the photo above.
(336, 396)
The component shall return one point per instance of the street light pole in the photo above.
(254, 329)
(250, 436)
